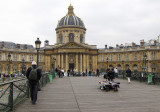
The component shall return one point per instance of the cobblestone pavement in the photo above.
(82, 94)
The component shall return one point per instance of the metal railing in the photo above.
(142, 76)
(15, 91)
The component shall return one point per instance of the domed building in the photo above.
(71, 51)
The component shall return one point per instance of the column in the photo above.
(84, 62)
(87, 62)
(58, 60)
(81, 63)
(67, 62)
(77, 62)
(62, 61)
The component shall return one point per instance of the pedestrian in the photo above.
(68, 72)
(128, 75)
(110, 75)
(90, 73)
(86, 72)
(97, 72)
(33, 75)
(116, 72)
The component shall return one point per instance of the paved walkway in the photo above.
(82, 94)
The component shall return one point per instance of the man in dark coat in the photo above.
(97, 72)
(33, 84)
(128, 72)
(110, 75)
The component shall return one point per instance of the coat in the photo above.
(128, 73)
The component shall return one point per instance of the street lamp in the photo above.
(10, 61)
(145, 61)
(23, 66)
(38, 44)
(107, 62)
(122, 65)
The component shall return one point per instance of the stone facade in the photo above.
(72, 52)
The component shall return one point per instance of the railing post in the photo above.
(11, 96)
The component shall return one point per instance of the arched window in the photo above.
(135, 67)
(81, 38)
(71, 37)
(61, 38)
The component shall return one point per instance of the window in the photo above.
(102, 57)
(31, 57)
(135, 56)
(7, 56)
(40, 58)
(71, 37)
(142, 55)
(15, 57)
(118, 57)
(0, 56)
(110, 57)
(61, 39)
(153, 55)
(126, 57)
(23, 57)
(81, 39)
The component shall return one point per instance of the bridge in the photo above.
(82, 94)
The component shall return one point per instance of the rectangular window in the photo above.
(153, 55)
(142, 55)
(0, 56)
(126, 57)
(31, 57)
(135, 56)
(40, 58)
(15, 57)
(110, 57)
(102, 58)
(6, 56)
(118, 57)
(23, 57)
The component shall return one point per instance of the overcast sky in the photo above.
(108, 22)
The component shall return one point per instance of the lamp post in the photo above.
(107, 62)
(145, 61)
(10, 61)
(23, 66)
(54, 59)
(38, 44)
(122, 65)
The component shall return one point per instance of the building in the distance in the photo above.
(72, 52)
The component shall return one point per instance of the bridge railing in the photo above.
(142, 76)
(15, 91)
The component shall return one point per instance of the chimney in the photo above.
(159, 39)
(25, 46)
(133, 44)
(141, 42)
(105, 46)
(18, 46)
(117, 45)
(46, 42)
(2, 44)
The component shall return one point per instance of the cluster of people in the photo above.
(60, 72)
(111, 74)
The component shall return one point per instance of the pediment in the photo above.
(72, 45)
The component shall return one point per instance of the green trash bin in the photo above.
(150, 78)
(50, 78)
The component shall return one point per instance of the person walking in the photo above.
(68, 72)
(116, 72)
(33, 74)
(97, 72)
(128, 72)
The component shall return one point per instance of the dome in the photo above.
(70, 20)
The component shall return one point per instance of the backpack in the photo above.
(33, 74)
